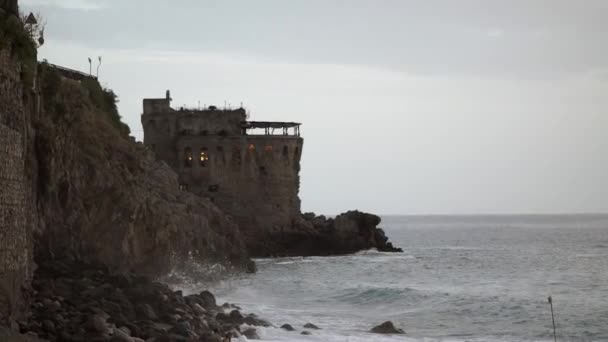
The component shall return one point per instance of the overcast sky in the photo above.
(408, 107)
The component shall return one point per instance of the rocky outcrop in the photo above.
(347, 233)
(387, 328)
(73, 185)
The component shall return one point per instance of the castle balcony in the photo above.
(269, 128)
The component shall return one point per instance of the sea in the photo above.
(460, 278)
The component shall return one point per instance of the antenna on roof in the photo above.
(90, 67)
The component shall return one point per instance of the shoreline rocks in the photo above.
(82, 302)
(314, 235)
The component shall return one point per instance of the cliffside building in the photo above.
(250, 169)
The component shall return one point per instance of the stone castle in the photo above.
(244, 167)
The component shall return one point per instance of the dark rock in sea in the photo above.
(287, 327)
(306, 333)
(252, 319)
(251, 334)
(311, 326)
(348, 233)
(387, 328)
(208, 300)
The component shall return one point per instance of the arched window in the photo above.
(187, 157)
(251, 148)
(296, 154)
(285, 151)
(268, 148)
(204, 157)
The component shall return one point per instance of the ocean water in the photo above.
(475, 278)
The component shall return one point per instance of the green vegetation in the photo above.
(105, 100)
(14, 36)
(23, 41)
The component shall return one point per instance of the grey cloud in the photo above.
(537, 38)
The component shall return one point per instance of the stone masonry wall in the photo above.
(255, 179)
(15, 247)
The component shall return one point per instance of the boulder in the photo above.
(208, 300)
(251, 334)
(387, 328)
(311, 326)
(146, 311)
(121, 336)
(97, 324)
(287, 327)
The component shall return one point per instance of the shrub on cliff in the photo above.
(105, 99)
(14, 37)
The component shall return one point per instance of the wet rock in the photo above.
(48, 325)
(311, 326)
(123, 280)
(97, 323)
(252, 319)
(251, 334)
(198, 309)
(387, 328)
(208, 300)
(146, 311)
(171, 338)
(121, 336)
(182, 328)
(287, 327)
(305, 333)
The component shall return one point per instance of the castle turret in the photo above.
(250, 169)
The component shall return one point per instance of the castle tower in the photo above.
(250, 169)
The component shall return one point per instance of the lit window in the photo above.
(251, 147)
(188, 157)
(204, 156)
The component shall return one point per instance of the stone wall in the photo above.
(15, 247)
(163, 128)
(255, 179)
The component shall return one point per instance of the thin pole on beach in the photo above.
(552, 318)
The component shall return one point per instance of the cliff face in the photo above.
(15, 243)
(103, 197)
(72, 184)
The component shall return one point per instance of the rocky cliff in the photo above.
(74, 186)
(103, 197)
(16, 202)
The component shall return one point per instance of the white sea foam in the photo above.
(486, 283)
